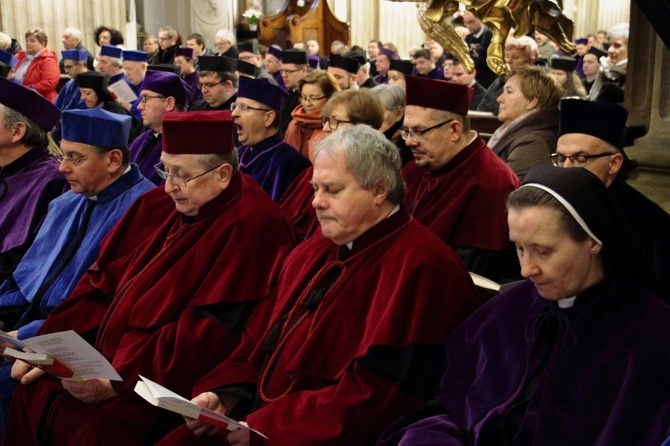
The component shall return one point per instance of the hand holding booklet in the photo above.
(159, 396)
(65, 355)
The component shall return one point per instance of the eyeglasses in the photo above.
(144, 98)
(179, 181)
(558, 159)
(244, 107)
(311, 99)
(202, 85)
(68, 67)
(289, 71)
(333, 122)
(417, 135)
(75, 161)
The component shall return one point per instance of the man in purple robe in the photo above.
(264, 155)
(161, 93)
(29, 177)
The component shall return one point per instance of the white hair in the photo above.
(226, 35)
(74, 32)
(619, 31)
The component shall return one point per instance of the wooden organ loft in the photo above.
(296, 23)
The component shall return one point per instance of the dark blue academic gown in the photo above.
(65, 247)
(69, 97)
(273, 164)
(145, 151)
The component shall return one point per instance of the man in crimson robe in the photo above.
(29, 177)
(167, 298)
(456, 186)
(264, 155)
(361, 308)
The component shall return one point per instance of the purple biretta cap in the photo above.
(166, 84)
(96, 127)
(29, 103)
(260, 90)
(275, 50)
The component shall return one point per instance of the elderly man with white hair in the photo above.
(72, 38)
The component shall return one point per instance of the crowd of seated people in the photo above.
(286, 240)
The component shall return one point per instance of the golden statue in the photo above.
(501, 16)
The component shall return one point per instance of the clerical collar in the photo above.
(481, 31)
(568, 302)
(157, 134)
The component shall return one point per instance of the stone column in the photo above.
(648, 103)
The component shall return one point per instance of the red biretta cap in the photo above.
(437, 94)
(198, 132)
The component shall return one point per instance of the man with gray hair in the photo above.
(350, 318)
(72, 38)
(224, 40)
(29, 177)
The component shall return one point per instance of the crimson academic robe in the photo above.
(273, 163)
(27, 185)
(464, 204)
(597, 373)
(361, 342)
(167, 298)
(296, 204)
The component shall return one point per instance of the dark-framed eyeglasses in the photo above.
(333, 122)
(145, 97)
(311, 99)
(244, 107)
(417, 135)
(179, 181)
(75, 161)
(579, 160)
(68, 66)
(202, 85)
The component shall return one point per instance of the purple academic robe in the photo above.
(192, 81)
(145, 151)
(27, 185)
(280, 80)
(597, 373)
(273, 164)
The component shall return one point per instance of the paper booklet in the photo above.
(122, 91)
(159, 396)
(65, 355)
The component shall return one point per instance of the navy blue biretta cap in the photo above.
(8, 59)
(29, 103)
(262, 91)
(221, 64)
(166, 84)
(600, 119)
(111, 51)
(184, 52)
(248, 47)
(96, 127)
(248, 68)
(348, 64)
(403, 66)
(78, 55)
(294, 56)
(135, 56)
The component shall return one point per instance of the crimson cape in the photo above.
(296, 204)
(602, 379)
(167, 298)
(464, 202)
(370, 345)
